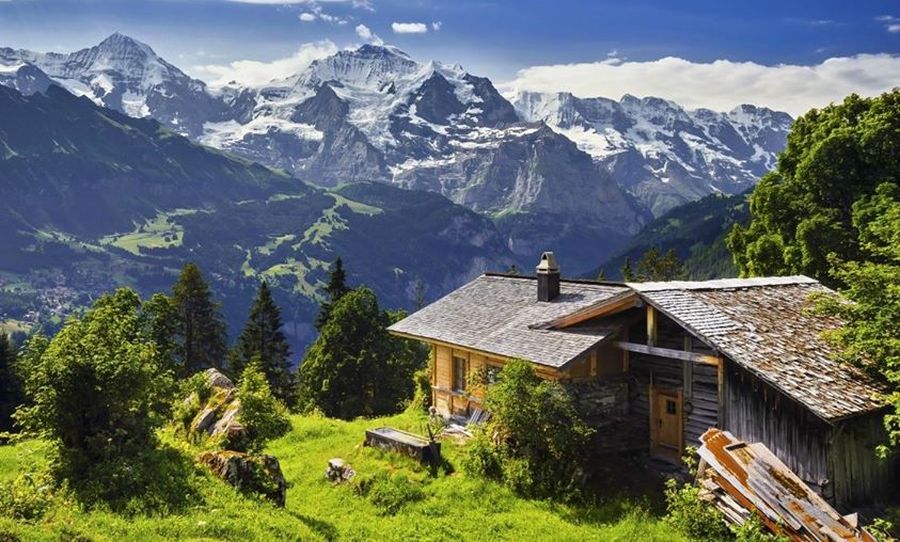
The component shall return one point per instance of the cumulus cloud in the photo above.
(891, 23)
(253, 73)
(307, 17)
(719, 85)
(409, 28)
(366, 33)
(436, 25)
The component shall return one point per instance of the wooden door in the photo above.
(666, 423)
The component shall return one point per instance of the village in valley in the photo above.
(281, 277)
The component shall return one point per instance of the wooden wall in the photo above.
(756, 412)
(857, 475)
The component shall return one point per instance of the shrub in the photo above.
(690, 515)
(263, 416)
(535, 436)
(97, 393)
(389, 493)
(27, 497)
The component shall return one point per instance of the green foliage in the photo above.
(870, 337)
(200, 330)
(11, 395)
(753, 530)
(422, 395)
(334, 290)
(535, 436)
(160, 318)
(263, 340)
(193, 393)
(689, 515)
(389, 492)
(355, 368)
(97, 392)
(654, 266)
(801, 212)
(27, 497)
(263, 416)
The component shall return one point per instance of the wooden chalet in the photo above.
(662, 362)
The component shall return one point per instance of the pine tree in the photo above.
(627, 271)
(334, 290)
(200, 330)
(10, 386)
(263, 340)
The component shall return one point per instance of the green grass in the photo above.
(159, 232)
(450, 506)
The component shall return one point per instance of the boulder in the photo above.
(218, 380)
(259, 474)
(338, 471)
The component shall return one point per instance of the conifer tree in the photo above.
(10, 386)
(200, 330)
(334, 290)
(262, 340)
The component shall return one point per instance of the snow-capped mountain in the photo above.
(554, 171)
(662, 153)
(122, 74)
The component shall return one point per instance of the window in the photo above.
(459, 373)
(671, 408)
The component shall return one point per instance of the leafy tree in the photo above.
(801, 215)
(200, 331)
(355, 368)
(97, 392)
(263, 340)
(262, 415)
(653, 266)
(870, 337)
(10, 386)
(536, 442)
(513, 270)
(334, 290)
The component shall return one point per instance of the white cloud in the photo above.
(719, 85)
(366, 33)
(409, 28)
(891, 23)
(436, 25)
(307, 17)
(253, 73)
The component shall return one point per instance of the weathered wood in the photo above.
(667, 353)
(622, 302)
(651, 326)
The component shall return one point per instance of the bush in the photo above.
(389, 493)
(535, 442)
(27, 497)
(97, 393)
(696, 519)
(422, 395)
(263, 416)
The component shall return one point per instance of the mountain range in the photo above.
(94, 199)
(551, 170)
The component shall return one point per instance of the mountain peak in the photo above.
(118, 42)
(374, 51)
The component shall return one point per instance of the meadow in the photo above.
(391, 498)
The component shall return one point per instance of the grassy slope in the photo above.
(455, 506)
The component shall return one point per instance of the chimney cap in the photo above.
(548, 263)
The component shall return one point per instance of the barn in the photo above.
(656, 364)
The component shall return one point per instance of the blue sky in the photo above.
(498, 39)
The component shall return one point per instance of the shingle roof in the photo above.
(766, 326)
(501, 315)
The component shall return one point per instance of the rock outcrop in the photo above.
(260, 474)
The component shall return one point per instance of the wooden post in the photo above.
(688, 370)
(721, 379)
(594, 363)
(651, 326)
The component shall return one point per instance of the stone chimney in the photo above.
(548, 277)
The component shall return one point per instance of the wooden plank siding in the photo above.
(858, 476)
(756, 412)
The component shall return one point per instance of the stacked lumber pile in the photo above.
(742, 478)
